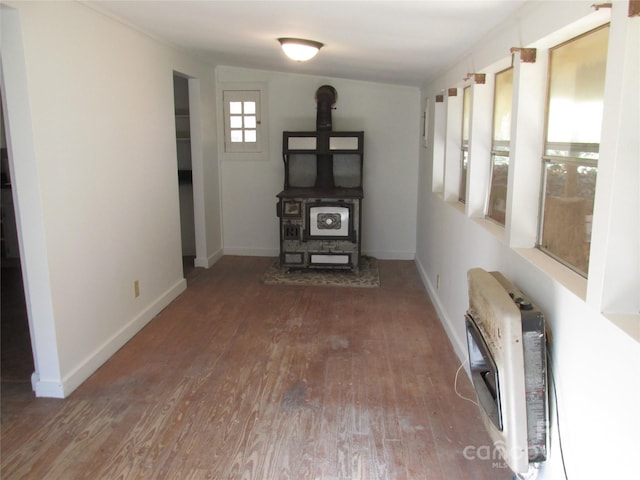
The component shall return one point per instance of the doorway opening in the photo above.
(16, 364)
(185, 171)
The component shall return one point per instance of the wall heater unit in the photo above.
(507, 357)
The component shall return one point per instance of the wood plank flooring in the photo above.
(241, 380)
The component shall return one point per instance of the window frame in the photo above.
(243, 98)
(243, 91)
(572, 160)
(464, 143)
(496, 152)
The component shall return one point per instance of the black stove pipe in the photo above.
(326, 97)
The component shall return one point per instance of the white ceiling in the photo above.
(398, 42)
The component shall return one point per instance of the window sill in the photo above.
(493, 228)
(555, 270)
(628, 323)
(456, 204)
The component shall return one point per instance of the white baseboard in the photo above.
(90, 364)
(208, 262)
(390, 255)
(274, 252)
(48, 389)
(459, 344)
(252, 252)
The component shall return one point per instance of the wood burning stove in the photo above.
(320, 206)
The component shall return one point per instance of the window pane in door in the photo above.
(236, 136)
(249, 108)
(235, 108)
(250, 136)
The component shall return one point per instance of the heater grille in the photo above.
(507, 354)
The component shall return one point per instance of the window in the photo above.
(242, 121)
(502, 100)
(571, 151)
(439, 142)
(464, 156)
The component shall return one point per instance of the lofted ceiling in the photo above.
(397, 42)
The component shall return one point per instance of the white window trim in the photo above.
(614, 283)
(439, 128)
(521, 226)
(263, 127)
(453, 146)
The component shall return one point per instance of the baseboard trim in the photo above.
(94, 361)
(392, 255)
(208, 262)
(272, 252)
(48, 389)
(252, 252)
(459, 344)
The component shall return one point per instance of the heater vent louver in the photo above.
(507, 355)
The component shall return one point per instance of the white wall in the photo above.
(596, 364)
(91, 130)
(389, 117)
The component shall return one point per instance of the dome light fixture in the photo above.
(298, 49)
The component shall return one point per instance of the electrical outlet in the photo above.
(136, 288)
(437, 281)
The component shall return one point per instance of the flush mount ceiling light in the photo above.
(298, 49)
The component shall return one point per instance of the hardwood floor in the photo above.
(241, 380)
